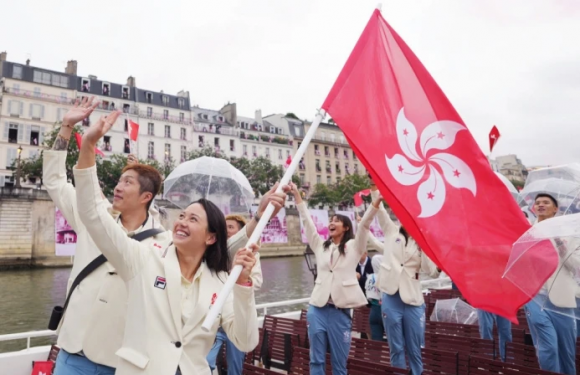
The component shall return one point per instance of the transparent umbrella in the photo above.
(549, 254)
(562, 182)
(453, 311)
(210, 178)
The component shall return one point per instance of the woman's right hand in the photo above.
(294, 190)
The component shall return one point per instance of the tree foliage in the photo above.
(341, 193)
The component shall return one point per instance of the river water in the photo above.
(28, 296)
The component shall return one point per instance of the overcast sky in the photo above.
(512, 63)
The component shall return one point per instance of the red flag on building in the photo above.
(358, 201)
(429, 168)
(79, 140)
(288, 161)
(493, 137)
(133, 130)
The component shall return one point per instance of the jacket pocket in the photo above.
(350, 282)
(318, 281)
(385, 267)
(134, 357)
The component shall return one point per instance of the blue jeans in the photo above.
(234, 357)
(504, 329)
(328, 325)
(70, 364)
(405, 328)
(376, 323)
(554, 338)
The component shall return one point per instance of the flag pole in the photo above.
(216, 308)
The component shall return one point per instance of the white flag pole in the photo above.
(257, 234)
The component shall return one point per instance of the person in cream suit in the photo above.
(336, 289)
(169, 291)
(554, 334)
(91, 329)
(402, 305)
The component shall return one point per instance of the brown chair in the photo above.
(441, 362)
(360, 321)
(301, 362)
(369, 350)
(464, 346)
(256, 370)
(521, 355)
(303, 314)
(452, 329)
(361, 367)
(485, 366)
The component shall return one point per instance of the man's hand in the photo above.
(132, 159)
(99, 128)
(358, 276)
(79, 112)
(277, 199)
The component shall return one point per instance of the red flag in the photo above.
(133, 130)
(42, 367)
(79, 140)
(358, 197)
(288, 161)
(493, 137)
(429, 168)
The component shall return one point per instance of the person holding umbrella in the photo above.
(336, 289)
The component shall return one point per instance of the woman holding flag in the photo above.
(336, 289)
(402, 305)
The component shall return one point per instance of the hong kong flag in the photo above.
(493, 137)
(357, 197)
(430, 170)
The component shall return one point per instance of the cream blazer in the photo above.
(155, 340)
(402, 262)
(337, 280)
(95, 317)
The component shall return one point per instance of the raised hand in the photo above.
(277, 199)
(99, 128)
(79, 112)
(132, 159)
(247, 259)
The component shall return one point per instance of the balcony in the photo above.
(39, 96)
(278, 139)
(215, 129)
(327, 141)
(166, 118)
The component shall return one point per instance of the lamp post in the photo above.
(310, 261)
(17, 184)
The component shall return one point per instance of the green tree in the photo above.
(518, 184)
(206, 151)
(323, 195)
(348, 187)
(109, 171)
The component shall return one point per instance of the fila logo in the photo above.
(160, 282)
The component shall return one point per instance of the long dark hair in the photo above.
(405, 234)
(216, 255)
(347, 236)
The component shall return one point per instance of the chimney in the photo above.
(27, 62)
(258, 116)
(71, 67)
(131, 81)
(183, 94)
(3, 56)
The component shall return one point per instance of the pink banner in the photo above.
(320, 218)
(65, 238)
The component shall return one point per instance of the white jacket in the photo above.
(95, 317)
(339, 278)
(155, 340)
(402, 262)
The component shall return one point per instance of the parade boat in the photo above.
(20, 362)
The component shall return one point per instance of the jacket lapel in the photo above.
(173, 276)
(203, 300)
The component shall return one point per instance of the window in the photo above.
(165, 114)
(338, 180)
(125, 92)
(272, 129)
(287, 153)
(254, 153)
(332, 138)
(126, 125)
(17, 72)
(16, 88)
(183, 135)
(328, 182)
(336, 152)
(183, 153)
(37, 92)
(280, 154)
(10, 157)
(328, 168)
(149, 97)
(267, 152)
(232, 145)
(151, 128)
(353, 156)
(342, 139)
(12, 133)
(58, 80)
(149, 111)
(318, 179)
(60, 114)
(167, 131)
(87, 121)
(245, 148)
(165, 99)
(322, 136)
(317, 163)
(106, 89)
(107, 143)
(216, 143)
(63, 97)
(37, 76)
(34, 135)
(346, 168)
(150, 150)
(302, 178)
(127, 146)
(180, 102)
(181, 116)
(85, 85)
(36, 111)
(167, 151)
(200, 141)
(15, 108)
(126, 108)
(337, 167)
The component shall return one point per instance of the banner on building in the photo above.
(320, 218)
(65, 238)
(276, 230)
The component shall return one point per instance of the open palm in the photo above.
(80, 111)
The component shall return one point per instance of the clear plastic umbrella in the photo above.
(453, 310)
(515, 193)
(562, 182)
(211, 178)
(549, 254)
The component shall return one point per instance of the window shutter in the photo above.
(21, 108)
(27, 134)
(6, 127)
(2, 181)
(41, 137)
(31, 110)
(10, 102)
(20, 133)
(42, 111)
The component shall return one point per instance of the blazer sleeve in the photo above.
(388, 227)
(256, 274)
(126, 255)
(61, 192)
(240, 319)
(428, 266)
(314, 240)
(363, 229)
(374, 242)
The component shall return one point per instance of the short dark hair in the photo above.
(216, 255)
(546, 195)
(149, 179)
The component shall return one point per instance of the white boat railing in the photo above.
(426, 284)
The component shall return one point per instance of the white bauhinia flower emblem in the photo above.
(410, 168)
